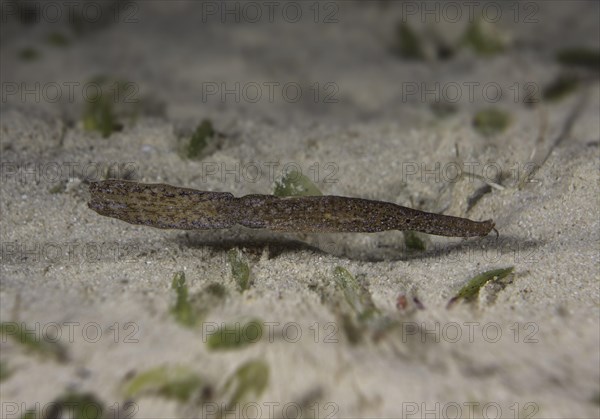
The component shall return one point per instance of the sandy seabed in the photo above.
(528, 346)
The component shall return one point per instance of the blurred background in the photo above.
(288, 62)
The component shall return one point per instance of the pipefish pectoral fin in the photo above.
(161, 206)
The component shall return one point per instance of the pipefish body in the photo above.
(172, 207)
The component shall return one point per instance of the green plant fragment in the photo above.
(32, 342)
(171, 382)
(580, 57)
(70, 405)
(248, 382)
(81, 405)
(216, 290)
(5, 372)
(29, 54)
(483, 38)
(471, 290)
(295, 183)
(200, 139)
(491, 121)
(182, 310)
(352, 329)
(114, 102)
(235, 336)
(357, 296)
(408, 42)
(57, 39)
(58, 188)
(413, 242)
(562, 86)
(99, 115)
(239, 269)
(30, 414)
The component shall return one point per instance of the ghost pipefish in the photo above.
(171, 207)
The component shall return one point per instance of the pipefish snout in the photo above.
(171, 207)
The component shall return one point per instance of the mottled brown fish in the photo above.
(166, 206)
